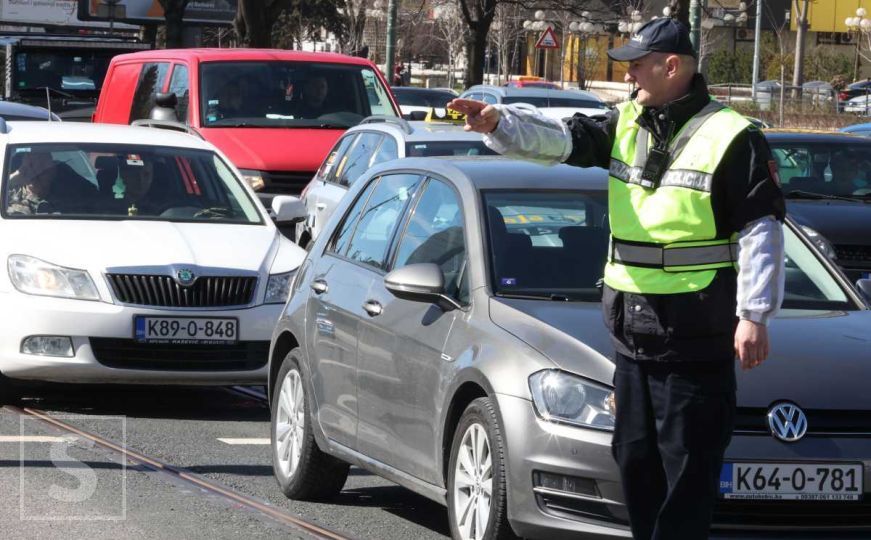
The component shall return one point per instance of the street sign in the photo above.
(547, 40)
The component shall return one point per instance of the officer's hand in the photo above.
(751, 343)
(480, 117)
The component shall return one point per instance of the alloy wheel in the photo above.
(473, 483)
(290, 423)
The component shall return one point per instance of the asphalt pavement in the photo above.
(214, 434)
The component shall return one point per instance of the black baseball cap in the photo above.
(659, 35)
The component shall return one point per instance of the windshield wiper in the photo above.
(810, 195)
(543, 296)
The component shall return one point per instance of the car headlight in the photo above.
(253, 178)
(561, 397)
(33, 276)
(278, 287)
(820, 241)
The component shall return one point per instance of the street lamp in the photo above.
(859, 26)
(538, 25)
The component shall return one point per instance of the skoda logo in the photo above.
(787, 422)
(185, 277)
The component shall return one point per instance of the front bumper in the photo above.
(534, 446)
(102, 338)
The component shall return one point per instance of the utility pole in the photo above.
(757, 38)
(695, 23)
(798, 69)
(391, 40)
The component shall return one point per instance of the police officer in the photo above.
(695, 268)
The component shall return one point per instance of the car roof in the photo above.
(866, 126)
(527, 91)
(21, 109)
(499, 172)
(81, 132)
(420, 131)
(419, 90)
(810, 135)
(225, 55)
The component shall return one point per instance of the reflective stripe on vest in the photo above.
(673, 256)
(664, 239)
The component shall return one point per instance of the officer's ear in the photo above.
(673, 65)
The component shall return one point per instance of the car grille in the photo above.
(288, 183)
(792, 514)
(819, 422)
(164, 291)
(853, 254)
(130, 354)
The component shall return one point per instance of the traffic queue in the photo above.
(416, 305)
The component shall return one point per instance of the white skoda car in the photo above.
(134, 255)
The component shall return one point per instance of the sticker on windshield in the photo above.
(508, 281)
(134, 160)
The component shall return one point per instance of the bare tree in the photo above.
(478, 16)
(801, 11)
(254, 18)
(173, 12)
(506, 29)
(451, 31)
(354, 22)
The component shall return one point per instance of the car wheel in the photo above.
(302, 470)
(9, 394)
(477, 506)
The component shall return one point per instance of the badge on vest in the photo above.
(654, 167)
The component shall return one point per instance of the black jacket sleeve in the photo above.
(747, 182)
(592, 139)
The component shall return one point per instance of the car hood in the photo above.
(274, 149)
(570, 334)
(841, 222)
(818, 359)
(98, 245)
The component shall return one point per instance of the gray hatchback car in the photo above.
(445, 333)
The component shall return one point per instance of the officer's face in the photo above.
(654, 77)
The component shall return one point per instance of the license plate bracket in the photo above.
(792, 481)
(186, 330)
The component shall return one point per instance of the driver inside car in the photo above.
(138, 178)
(313, 98)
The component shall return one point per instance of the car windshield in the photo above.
(422, 98)
(75, 71)
(122, 181)
(568, 102)
(554, 244)
(447, 148)
(837, 170)
(290, 94)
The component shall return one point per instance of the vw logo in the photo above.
(185, 277)
(787, 422)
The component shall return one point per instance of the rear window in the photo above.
(119, 181)
(577, 103)
(447, 148)
(290, 94)
(418, 98)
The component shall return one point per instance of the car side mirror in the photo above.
(423, 282)
(288, 209)
(864, 286)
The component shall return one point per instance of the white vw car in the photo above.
(134, 255)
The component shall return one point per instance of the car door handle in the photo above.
(373, 308)
(321, 206)
(319, 286)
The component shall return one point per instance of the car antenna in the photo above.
(48, 101)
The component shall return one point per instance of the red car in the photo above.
(274, 113)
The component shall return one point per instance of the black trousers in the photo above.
(674, 421)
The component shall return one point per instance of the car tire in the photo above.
(9, 394)
(303, 470)
(479, 428)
